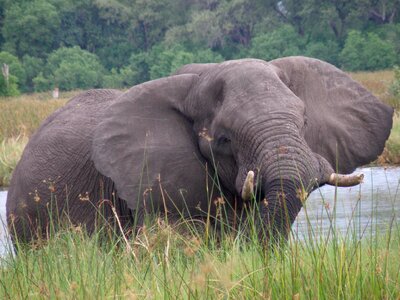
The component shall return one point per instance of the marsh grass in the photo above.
(391, 154)
(19, 118)
(10, 152)
(378, 82)
(23, 116)
(162, 261)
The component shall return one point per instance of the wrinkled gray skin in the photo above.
(293, 121)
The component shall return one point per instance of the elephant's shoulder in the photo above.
(95, 97)
(88, 104)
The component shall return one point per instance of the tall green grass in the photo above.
(391, 154)
(163, 261)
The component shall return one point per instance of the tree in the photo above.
(395, 86)
(31, 28)
(8, 82)
(32, 67)
(366, 52)
(98, 26)
(281, 42)
(327, 51)
(15, 68)
(71, 68)
(382, 11)
(301, 15)
(205, 30)
(125, 77)
(152, 18)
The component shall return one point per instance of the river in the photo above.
(370, 208)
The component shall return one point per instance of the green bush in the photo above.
(283, 41)
(42, 84)
(327, 51)
(70, 68)
(391, 34)
(121, 78)
(395, 87)
(31, 27)
(9, 88)
(15, 67)
(32, 66)
(139, 63)
(366, 52)
(161, 61)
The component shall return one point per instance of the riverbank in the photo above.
(21, 116)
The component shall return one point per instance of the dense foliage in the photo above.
(77, 44)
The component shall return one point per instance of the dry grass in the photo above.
(10, 153)
(19, 118)
(378, 83)
(22, 116)
(391, 154)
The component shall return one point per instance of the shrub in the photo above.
(139, 63)
(10, 153)
(124, 77)
(70, 68)
(327, 51)
(9, 88)
(30, 27)
(395, 87)
(278, 43)
(161, 61)
(366, 52)
(16, 71)
(32, 66)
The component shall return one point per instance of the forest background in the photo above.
(80, 44)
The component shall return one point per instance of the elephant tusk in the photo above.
(345, 180)
(248, 186)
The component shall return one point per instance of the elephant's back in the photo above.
(86, 108)
(58, 154)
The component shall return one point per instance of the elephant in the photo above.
(236, 132)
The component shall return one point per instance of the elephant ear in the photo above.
(147, 146)
(345, 123)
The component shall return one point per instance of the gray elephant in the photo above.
(233, 130)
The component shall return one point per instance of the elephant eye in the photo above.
(222, 140)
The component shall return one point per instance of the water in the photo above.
(370, 208)
(365, 209)
(4, 240)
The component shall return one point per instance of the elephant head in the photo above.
(274, 129)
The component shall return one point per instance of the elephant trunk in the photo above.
(279, 209)
(286, 171)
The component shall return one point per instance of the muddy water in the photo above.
(373, 207)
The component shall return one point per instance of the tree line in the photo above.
(80, 44)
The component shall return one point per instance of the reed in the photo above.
(161, 262)
(10, 152)
(23, 116)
